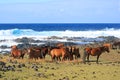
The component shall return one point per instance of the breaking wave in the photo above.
(17, 33)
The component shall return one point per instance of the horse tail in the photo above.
(84, 55)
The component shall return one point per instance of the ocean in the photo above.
(8, 31)
(85, 31)
(61, 27)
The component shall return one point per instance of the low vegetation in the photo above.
(25, 69)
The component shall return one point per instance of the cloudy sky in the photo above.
(60, 11)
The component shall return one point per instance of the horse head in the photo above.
(106, 49)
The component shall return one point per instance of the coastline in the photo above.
(25, 42)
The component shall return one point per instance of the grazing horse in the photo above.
(17, 53)
(34, 53)
(58, 53)
(94, 52)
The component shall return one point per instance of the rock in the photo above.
(34, 66)
(2, 63)
(74, 76)
(41, 75)
(53, 68)
(14, 66)
(52, 74)
(65, 78)
(15, 62)
(35, 69)
(4, 69)
(11, 68)
(0, 76)
(93, 73)
(23, 65)
(19, 66)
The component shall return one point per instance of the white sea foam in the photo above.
(18, 33)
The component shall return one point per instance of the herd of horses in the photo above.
(61, 52)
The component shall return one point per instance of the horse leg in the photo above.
(71, 57)
(53, 58)
(63, 58)
(97, 58)
(87, 57)
(59, 58)
(75, 56)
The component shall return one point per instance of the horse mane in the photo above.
(103, 48)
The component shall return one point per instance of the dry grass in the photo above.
(107, 69)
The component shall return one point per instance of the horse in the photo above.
(44, 51)
(14, 47)
(74, 51)
(115, 45)
(60, 45)
(34, 53)
(57, 53)
(107, 45)
(17, 53)
(94, 52)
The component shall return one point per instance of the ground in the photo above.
(107, 69)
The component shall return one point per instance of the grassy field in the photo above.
(107, 69)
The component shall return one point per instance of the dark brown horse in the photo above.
(116, 45)
(94, 52)
(74, 51)
(33, 53)
(44, 51)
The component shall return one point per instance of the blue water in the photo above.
(60, 27)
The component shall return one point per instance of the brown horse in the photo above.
(57, 53)
(44, 51)
(14, 47)
(74, 51)
(60, 45)
(107, 45)
(34, 53)
(94, 52)
(17, 53)
(116, 45)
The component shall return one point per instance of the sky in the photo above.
(60, 11)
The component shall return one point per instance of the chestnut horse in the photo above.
(57, 53)
(107, 45)
(17, 53)
(94, 52)
(60, 45)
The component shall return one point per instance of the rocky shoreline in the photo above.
(26, 42)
